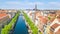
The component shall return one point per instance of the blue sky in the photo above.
(26, 4)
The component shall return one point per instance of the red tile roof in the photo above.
(55, 25)
(2, 15)
(58, 32)
(43, 19)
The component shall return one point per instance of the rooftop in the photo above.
(55, 25)
(2, 15)
(43, 19)
(58, 32)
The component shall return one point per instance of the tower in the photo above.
(35, 6)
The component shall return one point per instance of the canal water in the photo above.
(20, 27)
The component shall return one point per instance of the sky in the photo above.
(29, 4)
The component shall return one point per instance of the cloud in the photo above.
(55, 3)
(12, 2)
(24, 3)
(38, 3)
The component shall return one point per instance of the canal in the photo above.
(20, 27)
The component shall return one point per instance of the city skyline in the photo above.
(29, 4)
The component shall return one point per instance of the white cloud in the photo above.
(12, 2)
(55, 3)
(24, 3)
(52, 2)
(38, 3)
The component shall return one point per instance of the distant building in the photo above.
(3, 11)
(11, 13)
